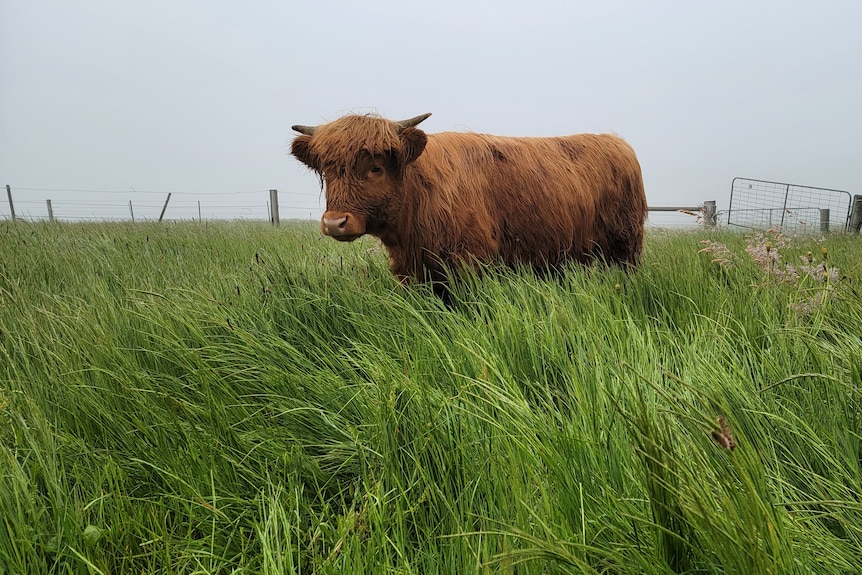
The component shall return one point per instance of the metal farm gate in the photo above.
(760, 204)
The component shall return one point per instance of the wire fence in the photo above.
(96, 205)
(82, 205)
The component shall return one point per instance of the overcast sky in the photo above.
(196, 97)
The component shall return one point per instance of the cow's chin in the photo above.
(347, 238)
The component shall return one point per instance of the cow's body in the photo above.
(439, 199)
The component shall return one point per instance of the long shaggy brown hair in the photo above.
(459, 197)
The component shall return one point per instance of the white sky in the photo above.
(196, 97)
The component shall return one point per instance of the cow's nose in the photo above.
(335, 226)
(342, 226)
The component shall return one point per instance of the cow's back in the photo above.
(537, 201)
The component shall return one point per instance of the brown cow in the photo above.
(441, 199)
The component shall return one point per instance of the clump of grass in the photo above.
(815, 280)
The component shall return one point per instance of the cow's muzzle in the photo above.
(343, 226)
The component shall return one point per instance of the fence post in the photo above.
(161, 215)
(11, 205)
(824, 220)
(273, 207)
(855, 215)
(709, 213)
(50, 211)
(131, 211)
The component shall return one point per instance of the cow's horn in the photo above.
(307, 130)
(404, 124)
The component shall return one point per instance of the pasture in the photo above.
(237, 398)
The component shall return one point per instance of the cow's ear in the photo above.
(301, 150)
(413, 143)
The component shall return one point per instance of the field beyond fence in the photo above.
(235, 397)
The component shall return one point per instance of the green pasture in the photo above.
(238, 398)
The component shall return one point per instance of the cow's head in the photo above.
(361, 161)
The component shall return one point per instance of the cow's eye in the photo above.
(376, 169)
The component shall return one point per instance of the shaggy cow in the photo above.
(440, 199)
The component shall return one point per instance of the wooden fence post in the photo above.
(273, 207)
(856, 215)
(131, 211)
(11, 205)
(50, 211)
(161, 215)
(824, 220)
(709, 213)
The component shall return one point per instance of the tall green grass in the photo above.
(236, 398)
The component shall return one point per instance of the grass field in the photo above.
(235, 398)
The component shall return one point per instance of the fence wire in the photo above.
(83, 205)
(761, 204)
(76, 205)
